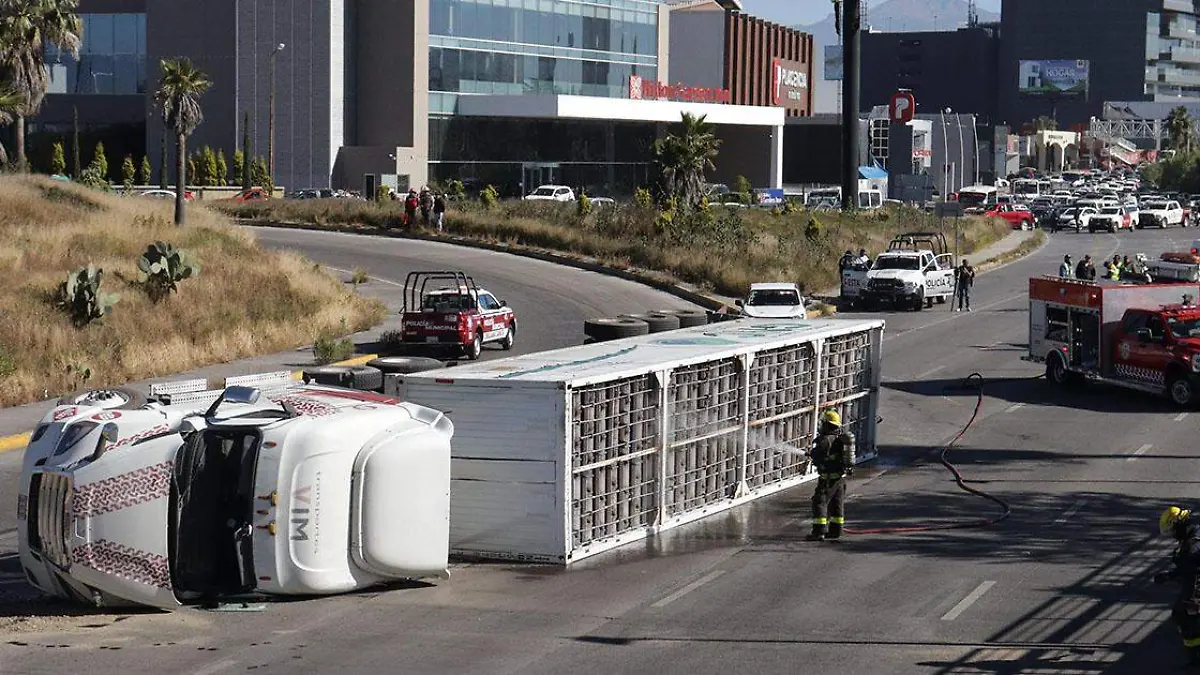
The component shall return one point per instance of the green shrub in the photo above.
(328, 350)
(742, 188)
(162, 267)
(58, 160)
(8, 365)
(643, 198)
(100, 161)
(92, 177)
(489, 197)
(81, 298)
(128, 173)
(583, 205)
(814, 229)
(391, 342)
(145, 171)
(456, 190)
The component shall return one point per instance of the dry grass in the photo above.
(246, 301)
(724, 253)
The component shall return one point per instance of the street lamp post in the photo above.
(945, 157)
(271, 118)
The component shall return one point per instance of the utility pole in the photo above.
(851, 49)
(271, 118)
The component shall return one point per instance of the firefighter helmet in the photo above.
(832, 417)
(1172, 517)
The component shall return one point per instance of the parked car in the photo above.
(188, 195)
(252, 195)
(1162, 214)
(1015, 214)
(1066, 219)
(1111, 218)
(774, 301)
(551, 193)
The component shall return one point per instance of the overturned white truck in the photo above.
(317, 490)
(563, 454)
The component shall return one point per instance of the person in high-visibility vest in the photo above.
(833, 457)
(1178, 523)
(1113, 269)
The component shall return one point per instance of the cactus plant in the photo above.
(162, 267)
(80, 296)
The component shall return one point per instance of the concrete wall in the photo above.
(391, 71)
(697, 48)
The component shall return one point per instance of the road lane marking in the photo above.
(954, 317)
(1138, 452)
(931, 371)
(15, 442)
(689, 588)
(1015, 407)
(1180, 417)
(216, 667)
(966, 602)
(1070, 512)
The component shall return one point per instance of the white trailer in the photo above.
(563, 454)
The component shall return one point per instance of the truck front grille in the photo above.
(49, 517)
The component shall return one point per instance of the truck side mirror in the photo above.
(1143, 335)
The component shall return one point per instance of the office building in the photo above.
(514, 93)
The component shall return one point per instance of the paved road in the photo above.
(1062, 586)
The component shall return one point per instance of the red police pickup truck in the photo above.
(447, 311)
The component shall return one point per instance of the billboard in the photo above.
(789, 83)
(1053, 78)
(833, 63)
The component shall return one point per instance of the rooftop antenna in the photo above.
(972, 14)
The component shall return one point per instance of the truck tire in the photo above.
(363, 378)
(130, 399)
(1180, 391)
(602, 330)
(1056, 370)
(688, 318)
(510, 337)
(659, 322)
(475, 348)
(920, 303)
(404, 365)
(1025, 226)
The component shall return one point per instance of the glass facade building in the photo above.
(112, 58)
(538, 47)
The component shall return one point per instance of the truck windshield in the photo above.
(897, 263)
(212, 513)
(773, 297)
(1182, 327)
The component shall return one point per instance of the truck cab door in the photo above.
(853, 281)
(939, 276)
(1154, 353)
(1132, 351)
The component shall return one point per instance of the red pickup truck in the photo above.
(1018, 216)
(447, 311)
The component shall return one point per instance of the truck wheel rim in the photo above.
(1181, 392)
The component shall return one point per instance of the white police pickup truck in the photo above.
(914, 271)
(317, 490)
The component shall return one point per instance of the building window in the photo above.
(627, 26)
(112, 58)
(468, 71)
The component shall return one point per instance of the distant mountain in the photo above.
(891, 16)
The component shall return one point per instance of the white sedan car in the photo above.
(551, 193)
(774, 301)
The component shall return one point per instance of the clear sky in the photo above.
(793, 12)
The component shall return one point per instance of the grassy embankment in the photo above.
(245, 300)
(724, 253)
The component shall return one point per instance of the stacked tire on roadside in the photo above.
(369, 377)
(632, 325)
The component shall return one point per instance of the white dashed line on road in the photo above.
(1015, 407)
(1180, 417)
(689, 588)
(1069, 512)
(1138, 452)
(966, 602)
(932, 371)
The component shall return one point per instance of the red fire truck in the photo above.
(1144, 337)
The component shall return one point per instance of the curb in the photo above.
(19, 441)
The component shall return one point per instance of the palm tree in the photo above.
(26, 27)
(178, 96)
(684, 157)
(10, 102)
(1180, 129)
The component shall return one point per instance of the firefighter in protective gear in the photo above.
(1186, 570)
(833, 457)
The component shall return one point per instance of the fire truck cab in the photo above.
(1144, 337)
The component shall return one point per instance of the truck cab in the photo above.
(915, 271)
(314, 490)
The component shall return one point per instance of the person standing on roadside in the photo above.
(1065, 269)
(1081, 270)
(439, 210)
(426, 204)
(964, 279)
(1113, 269)
(410, 209)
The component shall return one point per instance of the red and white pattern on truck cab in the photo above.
(125, 562)
(123, 491)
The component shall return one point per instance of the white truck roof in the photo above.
(773, 286)
(649, 353)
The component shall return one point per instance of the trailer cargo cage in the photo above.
(563, 454)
